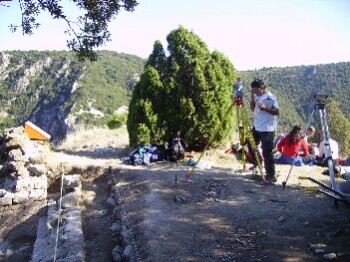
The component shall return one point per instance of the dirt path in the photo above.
(223, 215)
(97, 216)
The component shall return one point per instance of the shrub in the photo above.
(117, 120)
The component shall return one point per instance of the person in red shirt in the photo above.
(290, 146)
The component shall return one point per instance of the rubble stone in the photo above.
(22, 172)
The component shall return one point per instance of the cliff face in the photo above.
(57, 93)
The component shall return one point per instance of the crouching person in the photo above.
(176, 148)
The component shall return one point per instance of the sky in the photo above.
(252, 33)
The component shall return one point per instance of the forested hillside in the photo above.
(295, 88)
(56, 92)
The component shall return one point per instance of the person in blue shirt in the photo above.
(238, 92)
(238, 88)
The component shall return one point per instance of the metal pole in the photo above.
(326, 137)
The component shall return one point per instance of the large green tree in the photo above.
(339, 127)
(187, 89)
(89, 30)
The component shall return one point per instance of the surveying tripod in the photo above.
(320, 106)
(335, 189)
(245, 134)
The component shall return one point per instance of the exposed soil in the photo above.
(224, 215)
(97, 216)
(219, 214)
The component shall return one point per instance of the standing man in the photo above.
(266, 111)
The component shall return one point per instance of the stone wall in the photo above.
(22, 171)
(71, 245)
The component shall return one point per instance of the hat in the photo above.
(311, 128)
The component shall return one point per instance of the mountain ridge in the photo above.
(57, 93)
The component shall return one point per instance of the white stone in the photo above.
(329, 256)
(72, 181)
(111, 201)
(70, 200)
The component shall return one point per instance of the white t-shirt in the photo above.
(264, 121)
(334, 148)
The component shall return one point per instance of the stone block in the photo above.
(36, 170)
(38, 194)
(6, 200)
(16, 155)
(72, 181)
(21, 197)
(71, 200)
(39, 182)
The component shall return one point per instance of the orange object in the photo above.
(189, 154)
(34, 132)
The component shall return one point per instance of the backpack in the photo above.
(136, 159)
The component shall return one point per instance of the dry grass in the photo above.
(95, 137)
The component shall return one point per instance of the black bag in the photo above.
(176, 151)
(323, 161)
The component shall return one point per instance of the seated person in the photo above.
(321, 158)
(312, 147)
(289, 147)
(310, 131)
(176, 148)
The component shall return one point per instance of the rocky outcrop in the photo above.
(4, 62)
(60, 94)
(29, 73)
